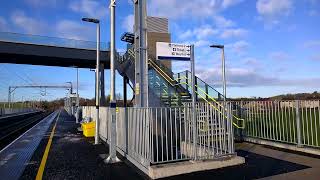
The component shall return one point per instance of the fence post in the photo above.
(298, 123)
(240, 115)
(230, 128)
(126, 127)
(147, 146)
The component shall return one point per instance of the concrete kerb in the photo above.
(178, 168)
(292, 147)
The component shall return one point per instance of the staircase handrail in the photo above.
(157, 68)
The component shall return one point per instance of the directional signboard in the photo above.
(173, 51)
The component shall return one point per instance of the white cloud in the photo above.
(75, 30)
(28, 24)
(186, 34)
(313, 12)
(234, 33)
(201, 32)
(91, 8)
(198, 43)
(201, 43)
(128, 23)
(63, 28)
(204, 32)
(177, 9)
(272, 10)
(313, 2)
(3, 24)
(222, 22)
(247, 77)
(312, 44)
(252, 62)
(41, 3)
(279, 56)
(315, 57)
(229, 3)
(238, 47)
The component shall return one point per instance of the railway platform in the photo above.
(55, 149)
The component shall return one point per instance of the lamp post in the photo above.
(112, 158)
(69, 103)
(97, 22)
(78, 101)
(223, 71)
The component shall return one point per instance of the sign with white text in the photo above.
(173, 51)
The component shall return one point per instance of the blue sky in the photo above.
(272, 46)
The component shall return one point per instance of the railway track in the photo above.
(12, 127)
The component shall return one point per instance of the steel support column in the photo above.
(298, 122)
(125, 81)
(113, 139)
(103, 101)
(141, 64)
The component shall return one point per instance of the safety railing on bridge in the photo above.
(294, 122)
(50, 41)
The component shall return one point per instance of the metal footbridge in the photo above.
(50, 51)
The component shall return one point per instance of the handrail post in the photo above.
(299, 140)
(207, 91)
(229, 128)
(241, 114)
(187, 81)
(194, 109)
(196, 87)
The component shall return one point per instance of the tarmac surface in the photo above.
(72, 156)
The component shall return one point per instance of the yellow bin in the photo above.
(89, 129)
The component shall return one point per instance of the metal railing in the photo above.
(7, 111)
(184, 78)
(168, 134)
(163, 135)
(294, 122)
(50, 41)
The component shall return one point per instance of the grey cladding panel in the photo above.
(156, 24)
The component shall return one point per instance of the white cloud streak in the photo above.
(233, 33)
(28, 24)
(64, 28)
(315, 57)
(177, 9)
(271, 11)
(74, 30)
(128, 23)
(41, 3)
(91, 8)
(312, 44)
(3, 24)
(239, 47)
(222, 22)
(279, 56)
(204, 31)
(246, 77)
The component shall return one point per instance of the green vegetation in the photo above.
(299, 96)
(55, 104)
(15, 105)
(280, 124)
